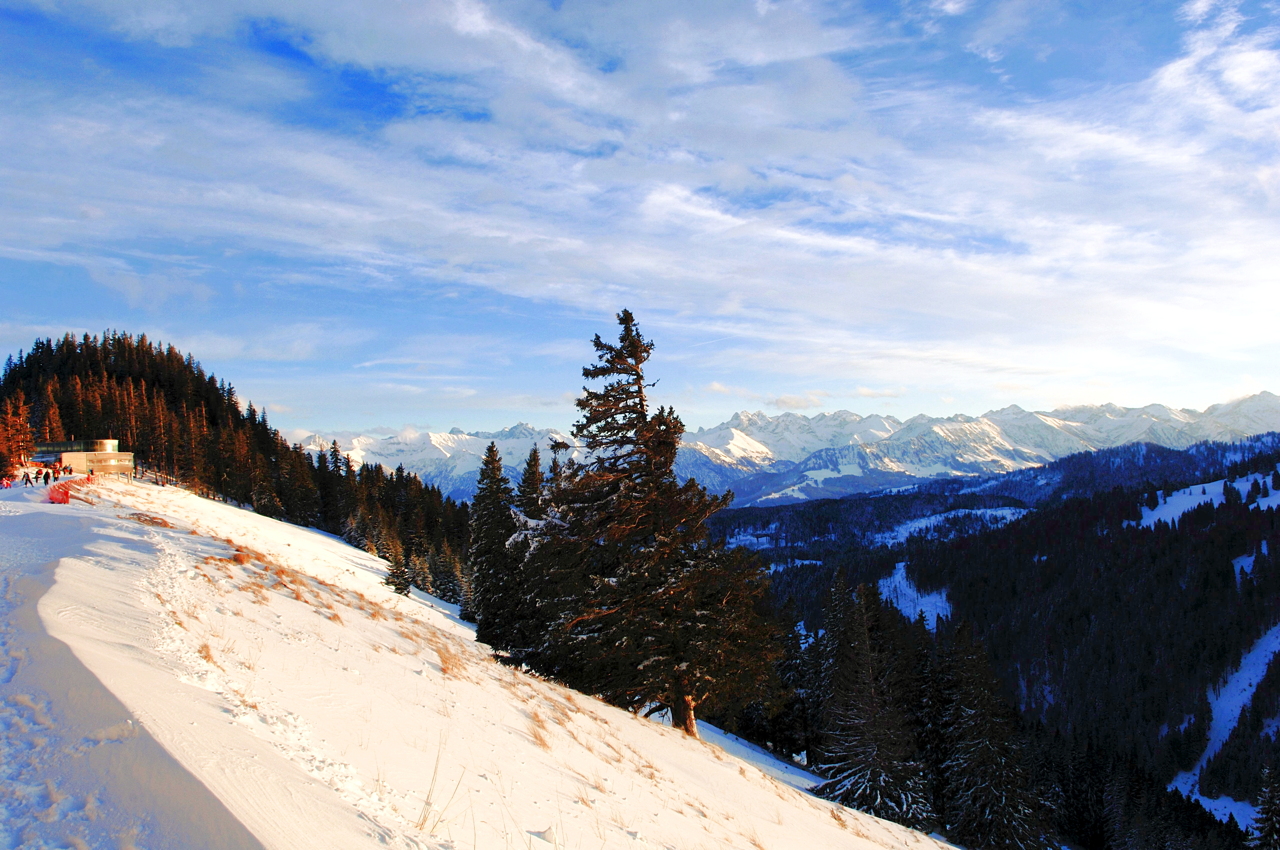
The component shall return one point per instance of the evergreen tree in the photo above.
(17, 442)
(1265, 834)
(420, 573)
(50, 417)
(399, 578)
(637, 604)
(451, 579)
(836, 662)
(869, 753)
(528, 498)
(496, 587)
(990, 802)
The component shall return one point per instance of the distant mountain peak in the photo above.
(518, 431)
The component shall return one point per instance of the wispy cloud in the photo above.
(795, 197)
(805, 401)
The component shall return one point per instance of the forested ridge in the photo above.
(1098, 623)
(1105, 633)
(188, 425)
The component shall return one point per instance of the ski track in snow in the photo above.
(323, 710)
(22, 720)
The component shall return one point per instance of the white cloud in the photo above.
(825, 221)
(806, 401)
(865, 392)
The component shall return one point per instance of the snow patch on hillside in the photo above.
(1243, 566)
(924, 525)
(1179, 502)
(322, 710)
(1225, 704)
(907, 598)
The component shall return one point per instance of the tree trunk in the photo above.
(682, 715)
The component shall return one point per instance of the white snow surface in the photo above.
(1181, 501)
(1236, 693)
(791, 436)
(907, 598)
(315, 708)
(994, 516)
(1225, 704)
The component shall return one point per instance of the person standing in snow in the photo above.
(47, 476)
(26, 478)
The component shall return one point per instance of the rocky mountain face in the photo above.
(791, 458)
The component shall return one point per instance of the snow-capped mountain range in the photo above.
(789, 457)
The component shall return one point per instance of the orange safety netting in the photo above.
(61, 493)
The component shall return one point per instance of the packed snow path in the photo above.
(75, 766)
(297, 696)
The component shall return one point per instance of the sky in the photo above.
(373, 214)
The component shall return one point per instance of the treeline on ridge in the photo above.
(186, 424)
(1105, 632)
(911, 724)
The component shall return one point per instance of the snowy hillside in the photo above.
(232, 681)
(790, 457)
(1231, 696)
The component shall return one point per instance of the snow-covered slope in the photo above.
(1178, 502)
(898, 589)
(1228, 698)
(789, 457)
(236, 682)
(1225, 704)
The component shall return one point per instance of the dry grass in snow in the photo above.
(325, 711)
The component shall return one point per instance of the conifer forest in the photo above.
(188, 426)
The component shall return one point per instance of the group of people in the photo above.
(43, 475)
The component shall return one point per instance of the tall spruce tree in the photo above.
(990, 801)
(17, 442)
(1265, 834)
(399, 578)
(50, 417)
(869, 752)
(528, 498)
(496, 586)
(636, 603)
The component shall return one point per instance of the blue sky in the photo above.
(379, 213)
